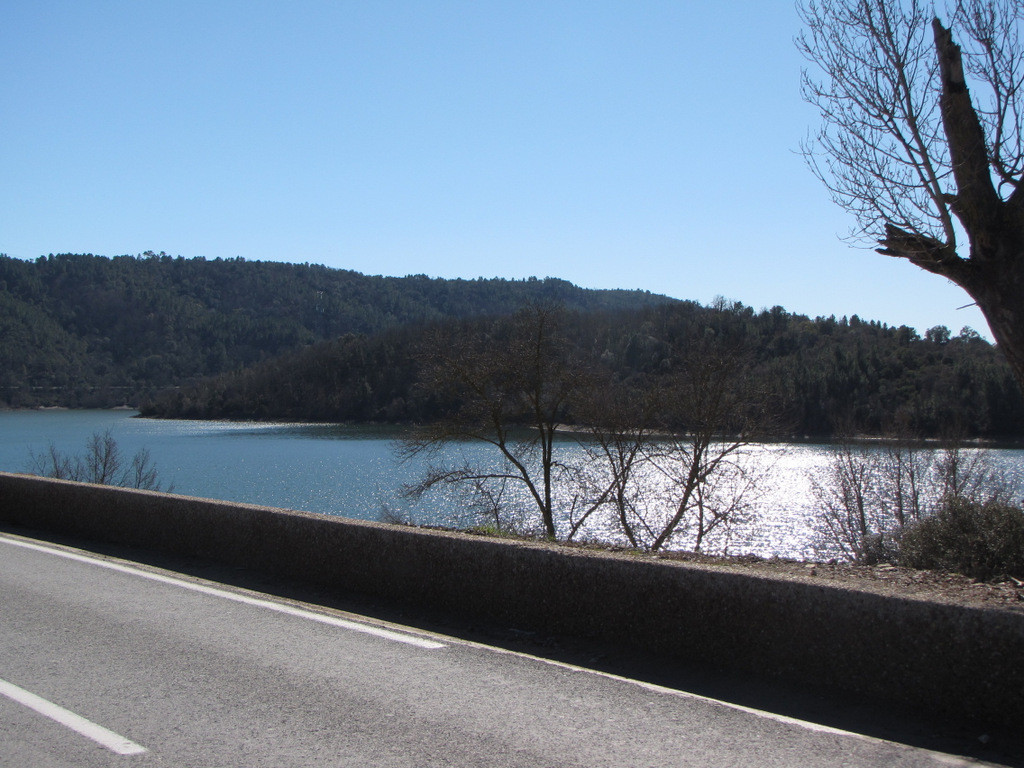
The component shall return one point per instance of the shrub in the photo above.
(983, 540)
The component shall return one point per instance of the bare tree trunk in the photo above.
(994, 273)
(1002, 303)
(694, 477)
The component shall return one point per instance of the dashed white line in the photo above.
(102, 736)
(290, 610)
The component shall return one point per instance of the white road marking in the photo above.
(102, 736)
(290, 610)
(939, 758)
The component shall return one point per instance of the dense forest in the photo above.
(90, 331)
(817, 377)
(239, 339)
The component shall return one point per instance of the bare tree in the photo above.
(672, 453)
(716, 411)
(906, 149)
(848, 518)
(102, 463)
(904, 489)
(658, 460)
(508, 385)
(619, 424)
(969, 474)
(869, 495)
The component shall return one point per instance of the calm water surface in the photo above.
(353, 471)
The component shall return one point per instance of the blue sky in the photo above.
(648, 145)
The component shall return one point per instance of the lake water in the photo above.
(354, 471)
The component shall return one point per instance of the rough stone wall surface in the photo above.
(957, 661)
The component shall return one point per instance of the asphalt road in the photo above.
(105, 662)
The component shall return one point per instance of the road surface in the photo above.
(106, 662)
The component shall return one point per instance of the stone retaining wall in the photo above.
(959, 662)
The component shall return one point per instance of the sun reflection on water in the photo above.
(355, 472)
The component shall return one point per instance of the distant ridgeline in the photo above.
(192, 338)
(89, 331)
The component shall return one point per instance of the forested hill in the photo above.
(819, 377)
(90, 331)
(239, 339)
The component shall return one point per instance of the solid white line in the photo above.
(940, 758)
(77, 723)
(334, 621)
